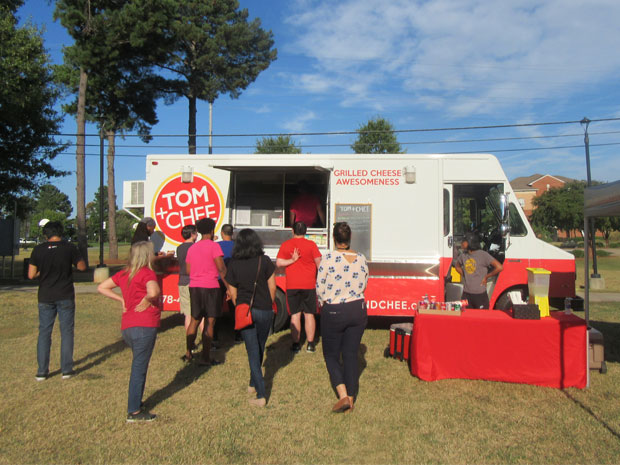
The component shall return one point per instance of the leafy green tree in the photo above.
(52, 204)
(560, 208)
(116, 46)
(280, 144)
(51, 198)
(607, 225)
(124, 226)
(94, 216)
(216, 51)
(376, 136)
(27, 116)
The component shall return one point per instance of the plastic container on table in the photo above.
(538, 286)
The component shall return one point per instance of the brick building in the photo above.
(528, 187)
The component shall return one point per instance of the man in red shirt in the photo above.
(301, 258)
(306, 207)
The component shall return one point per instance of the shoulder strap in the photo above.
(260, 259)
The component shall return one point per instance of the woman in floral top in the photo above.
(340, 285)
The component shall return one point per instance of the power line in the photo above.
(525, 149)
(451, 141)
(337, 133)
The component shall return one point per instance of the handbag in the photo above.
(243, 312)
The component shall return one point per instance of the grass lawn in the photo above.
(608, 268)
(203, 415)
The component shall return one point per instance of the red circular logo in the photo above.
(178, 204)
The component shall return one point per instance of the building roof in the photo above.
(525, 183)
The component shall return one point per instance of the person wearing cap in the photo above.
(473, 265)
(145, 231)
(52, 263)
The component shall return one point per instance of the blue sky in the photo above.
(420, 64)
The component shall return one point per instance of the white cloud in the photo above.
(464, 56)
(300, 122)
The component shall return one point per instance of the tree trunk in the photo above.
(112, 239)
(191, 141)
(80, 169)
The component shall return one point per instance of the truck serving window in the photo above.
(262, 200)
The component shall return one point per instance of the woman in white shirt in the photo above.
(341, 281)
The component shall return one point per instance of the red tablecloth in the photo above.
(491, 345)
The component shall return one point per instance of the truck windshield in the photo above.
(476, 208)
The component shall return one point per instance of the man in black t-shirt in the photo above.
(52, 262)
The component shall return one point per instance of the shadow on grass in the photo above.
(277, 355)
(183, 378)
(191, 372)
(99, 356)
(611, 336)
(590, 412)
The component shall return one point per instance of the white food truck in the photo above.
(408, 214)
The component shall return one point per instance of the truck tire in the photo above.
(280, 320)
(504, 302)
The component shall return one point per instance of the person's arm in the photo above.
(284, 262)
(81, 265)
(33, 271)
(105, 288)
(271, 284)
(152, 294)
(317, 261)
(497, 268)
(291, 218)
(221, 269)
(232, 291)
(458, 267)
(320, 287)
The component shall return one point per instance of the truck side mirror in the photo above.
(504, 208)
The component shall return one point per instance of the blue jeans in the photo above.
(142, 341)
(65, 309)
(255, 338)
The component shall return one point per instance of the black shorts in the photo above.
(301, 300)
(205, 302)
(476, 300)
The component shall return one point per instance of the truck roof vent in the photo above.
(133, 194)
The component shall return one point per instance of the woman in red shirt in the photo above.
(140, 320)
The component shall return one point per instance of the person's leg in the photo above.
(294, 306)
(142, 341)
(190, 337)
(350, 346)
(207, 338)
(296, 327)
(310, 327)
(196, 309)
(47, 316)
(309, 308)
(250, 337)
(263, 321)
(66, 318)
(331, 339)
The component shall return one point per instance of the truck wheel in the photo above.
(504, 302)
(280, 320)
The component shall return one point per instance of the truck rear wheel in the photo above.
(504, 302)
(280, 320)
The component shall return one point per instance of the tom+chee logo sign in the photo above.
(177, 204)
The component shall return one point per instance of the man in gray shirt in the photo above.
(473, 264)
